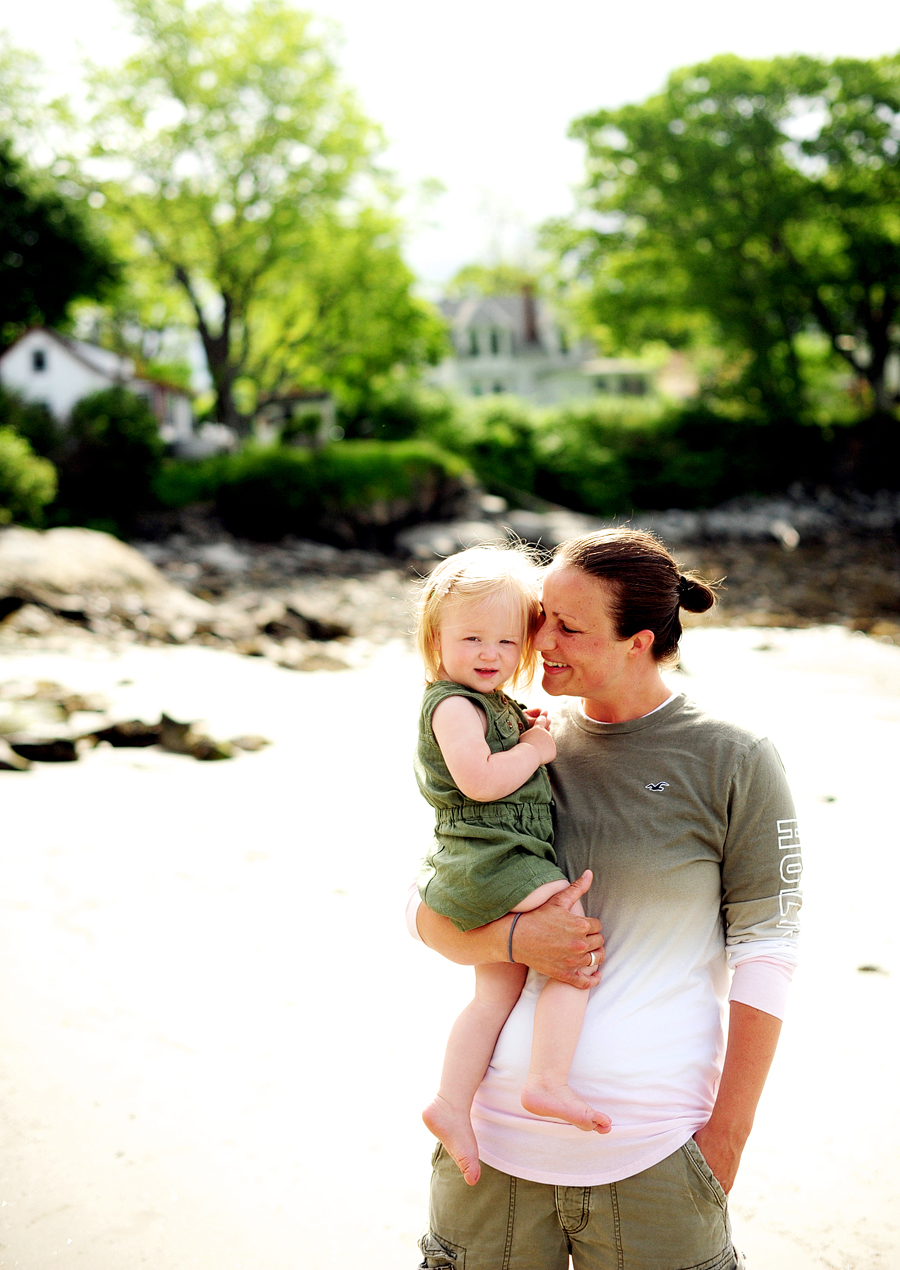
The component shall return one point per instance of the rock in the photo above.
(549, 529)
(83, 574)
(225, 557)
(785, 533)
(428, 542)
(323, 630)
(181, 738)
(34, 716)
(129, 734)
(207, 750)
(250, 743)
(320, 661)
(43, 749)
(10, 761)
(289, 624)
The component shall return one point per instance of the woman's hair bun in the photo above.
(694, 594)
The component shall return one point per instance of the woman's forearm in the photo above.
(551, 939)
(752, 1040)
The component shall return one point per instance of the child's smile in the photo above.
(480, 643)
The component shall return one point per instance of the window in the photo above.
(497, 388)
(473, 344)
(38, 359)
(495, 342)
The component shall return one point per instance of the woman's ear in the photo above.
(641, 643)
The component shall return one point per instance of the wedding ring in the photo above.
(592, 962)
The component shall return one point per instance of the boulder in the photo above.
(83, 575)
(10, 761)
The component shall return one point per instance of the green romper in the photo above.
(486, 857)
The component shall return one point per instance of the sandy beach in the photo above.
(217, 1036)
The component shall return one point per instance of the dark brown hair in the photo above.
(647, 589)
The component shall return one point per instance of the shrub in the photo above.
(498, 438)
(27, 482)
(350, 492)
(180, 482)
(113, 454)
(31, 420)
(398, 411)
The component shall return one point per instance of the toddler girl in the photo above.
(480, 763)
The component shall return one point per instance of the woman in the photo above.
(686, 825)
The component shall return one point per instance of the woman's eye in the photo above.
(568, 629)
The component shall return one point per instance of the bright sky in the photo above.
(480, 93)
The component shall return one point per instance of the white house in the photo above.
(512, 344)
(46, 367)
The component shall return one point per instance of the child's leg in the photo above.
(468, 1053)
(557, 1027)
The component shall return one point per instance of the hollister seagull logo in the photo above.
(658, 787)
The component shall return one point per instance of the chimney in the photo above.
(529, 315)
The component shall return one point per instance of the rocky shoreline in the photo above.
(791, 561)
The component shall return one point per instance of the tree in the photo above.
(497, 279)
(235, 149)
(749, 204)
(50, 251)
(347, 318)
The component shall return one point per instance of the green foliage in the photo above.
(497, 436)
(242, 152)
(349, 492)
(31, 420)
(113, 455)
(180, 482)
(397, 409)
(498, 279)
(342, 315)
(50, 252)
(747, 204)
(607, 458)
(27, 482)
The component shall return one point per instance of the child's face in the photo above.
(480, 642)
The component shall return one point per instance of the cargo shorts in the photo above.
(673, 1216)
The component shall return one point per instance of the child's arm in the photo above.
(459, 729)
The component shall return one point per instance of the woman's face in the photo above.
(583, 656)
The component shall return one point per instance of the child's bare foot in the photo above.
(543, 1098)
(454, 1129)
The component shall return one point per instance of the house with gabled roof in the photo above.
(44, 366)
(513, 344)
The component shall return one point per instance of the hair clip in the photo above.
(441, 589)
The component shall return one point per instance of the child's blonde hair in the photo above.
(480, 573)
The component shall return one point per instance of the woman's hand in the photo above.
(722, 1156)
(558, 943)
(752, 1038)
(552, 939)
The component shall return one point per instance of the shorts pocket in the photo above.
(440, 1254)
(698, 1160)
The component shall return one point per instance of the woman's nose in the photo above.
(544, 639)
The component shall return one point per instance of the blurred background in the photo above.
(292, 304)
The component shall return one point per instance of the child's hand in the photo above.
(543, 742)
(538, 718)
